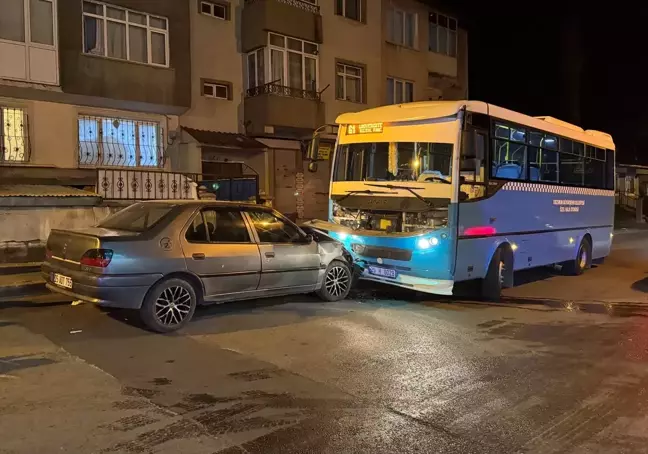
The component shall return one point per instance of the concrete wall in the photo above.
(222, 63)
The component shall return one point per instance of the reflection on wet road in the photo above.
(389, 371)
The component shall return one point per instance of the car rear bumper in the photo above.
(126, 292)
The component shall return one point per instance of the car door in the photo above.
(288, 261)
(218, 248)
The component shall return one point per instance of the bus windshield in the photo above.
(393, 161)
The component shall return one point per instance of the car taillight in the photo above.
(99, 258)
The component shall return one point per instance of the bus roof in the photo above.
(416, 111)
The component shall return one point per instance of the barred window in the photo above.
(119, 142)
(14, 135)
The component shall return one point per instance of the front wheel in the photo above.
(337, 282)
(169, 305)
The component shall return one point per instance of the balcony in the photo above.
(282, 108)
(296, 18)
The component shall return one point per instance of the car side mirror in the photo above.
(312, 166)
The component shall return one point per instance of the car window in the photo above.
(226, 226)
(217, 226)
(272, 229)
(138, 217)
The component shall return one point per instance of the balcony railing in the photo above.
(122, 184)
(281, 90)
(14, 136)
(307, 5)
(120, 142)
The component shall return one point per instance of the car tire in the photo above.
(336, 283)
(493, 282)
(583, 259)
(177, 296)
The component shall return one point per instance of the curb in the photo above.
(22, 290)
(19, 268)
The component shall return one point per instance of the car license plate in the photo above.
(383, 272)
(62, 281)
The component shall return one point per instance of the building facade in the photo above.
(283, 68)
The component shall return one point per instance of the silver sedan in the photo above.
(165, 258)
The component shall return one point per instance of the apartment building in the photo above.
(267, 73)
(90, 97)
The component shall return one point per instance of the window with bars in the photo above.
(443, 34)
(14, 135)
(115, 32)
(119, 142)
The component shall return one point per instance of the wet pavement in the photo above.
(386, 371)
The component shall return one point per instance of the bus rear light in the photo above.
(485, 230)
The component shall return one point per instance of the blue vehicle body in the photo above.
(529, 205)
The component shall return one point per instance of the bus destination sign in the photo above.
(365, 128)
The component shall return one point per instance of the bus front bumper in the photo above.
(433, 286)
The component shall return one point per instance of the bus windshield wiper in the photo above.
(407, 188)
(362, 191)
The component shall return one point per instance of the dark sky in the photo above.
(584, 65)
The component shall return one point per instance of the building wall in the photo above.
(117, 79)
(216, 58)
(352, 42)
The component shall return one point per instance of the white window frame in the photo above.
(213, 6)
(342, 12)
(27, 43)
(447, 30)
(345, 75)
(100, 144)
(404, 84)
(267, 56)
(214, 85)
(149, 31)
(400, 40)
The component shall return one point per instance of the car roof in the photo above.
(194, 202)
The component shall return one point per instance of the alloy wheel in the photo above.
(337, 281)
(173, 305)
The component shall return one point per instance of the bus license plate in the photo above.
(62, 281)
(383, 272)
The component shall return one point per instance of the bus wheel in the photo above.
(493, 283)
(582, 261)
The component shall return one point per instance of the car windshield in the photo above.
(139, 217)
(395, 161)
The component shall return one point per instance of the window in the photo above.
(115, 32)
(218, 226)
(348, 83)
(272, 229)
(349, 9)
(402, 29)
(119, 142)
(39, 26)
(399, 91)
(217, 10)
(138, 217)
(443, 34)
(216, 90)
(14, 135)
(293, 63)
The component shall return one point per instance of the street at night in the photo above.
(384, 371)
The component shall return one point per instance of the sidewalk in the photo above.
(54, 402)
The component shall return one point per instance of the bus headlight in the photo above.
(426, 243)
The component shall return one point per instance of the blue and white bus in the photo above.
(430, 194)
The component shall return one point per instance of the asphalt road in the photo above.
(386, 371)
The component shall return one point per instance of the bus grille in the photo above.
(404, 255)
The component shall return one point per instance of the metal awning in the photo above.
(224, 140)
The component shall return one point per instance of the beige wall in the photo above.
(215, 56)
(414, 64)
(53, 129)
(353, 41)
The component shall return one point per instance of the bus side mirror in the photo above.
(312, 166)
(473, 145)
(313, 148)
